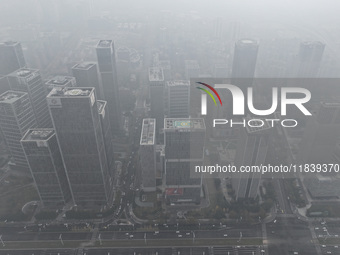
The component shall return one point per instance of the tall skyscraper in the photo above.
(321, 135)
(108, 72)
(244, 63)
(79, 133)
(61, 82)
(86, 75)
(251, 150)
(178, 94)
(30, 81)
(16, 117)
(309, 59)
(11, 57)
(43, 155)
(147, 154)
(184, 148)
(157, 96)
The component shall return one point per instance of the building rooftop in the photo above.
(9, 43)
(11, 96)
(247, 42)
(178, 83)
(184, 123)
(156, 74)
(83, 65)
(148, 132)
(24, 73)
(38, 134)
(104, 44)
(70, 92)
(61, 81)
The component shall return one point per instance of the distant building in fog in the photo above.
(11, 57)
(46, 165)
(147, 154)
(108, 71)
(30, 81)
(60, 82)
(157, 96)
(86, 75)
(321, 135)
(178, 98)
(80, 136)
(309, 59)
(244, 62)
(16, 117)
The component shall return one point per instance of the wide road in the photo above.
(255, 231)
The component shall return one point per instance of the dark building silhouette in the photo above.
(80, 136)
(43, 155)
(16, 117)
(11, 57)
(108, 72)
(30, 81)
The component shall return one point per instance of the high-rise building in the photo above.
(178, 95)
(86, 75)
(108, 72)
(43, 155)
(11, 57)
(157, 96)
(147, 155)
(251, 150)
(16, 117)
(192, 69)
(60, 81)
(80, 136)
(30, 81)
(106, 129)
(309, 59)
(244, 62)
(184, 147)
(321, 135)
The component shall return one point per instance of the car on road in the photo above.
(180, 236)
(225, 235)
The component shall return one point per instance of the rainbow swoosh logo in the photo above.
(209, 93)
